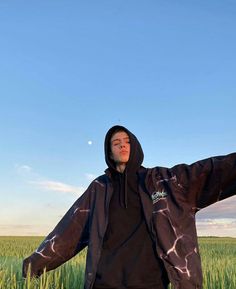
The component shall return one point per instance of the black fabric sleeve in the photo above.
(68, 238)
(208, 181)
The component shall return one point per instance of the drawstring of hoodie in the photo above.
(125, 190)
(123, 196)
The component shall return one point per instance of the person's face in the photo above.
(120, 147)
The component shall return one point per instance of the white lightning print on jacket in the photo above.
(52, 243)
(172, 251)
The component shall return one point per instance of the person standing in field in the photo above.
(138, 223)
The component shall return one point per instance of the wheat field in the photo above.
(218, 261)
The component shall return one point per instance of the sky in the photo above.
(69, 70)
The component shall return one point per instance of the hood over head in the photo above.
(136, 152)
(128, 180)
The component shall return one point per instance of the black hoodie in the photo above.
(128, 258)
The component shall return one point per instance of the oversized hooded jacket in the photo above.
(170, 198)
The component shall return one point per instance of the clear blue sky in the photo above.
(71, 69)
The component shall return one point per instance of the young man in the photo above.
(138, 223)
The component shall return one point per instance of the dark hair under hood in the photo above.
(129, 178)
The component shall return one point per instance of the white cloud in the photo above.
(23, 169)
(219, 210)
(218, 219)
(58, 187)
(90, 177)
(24, 230)
(217, 227)
(43, 183)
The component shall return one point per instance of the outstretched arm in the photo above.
(68, 238)
(208, 181)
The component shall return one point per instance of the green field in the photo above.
(218, 260)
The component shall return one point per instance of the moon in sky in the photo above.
(90, 142)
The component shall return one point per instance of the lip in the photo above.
(123, 152)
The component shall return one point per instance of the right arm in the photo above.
(68, 238)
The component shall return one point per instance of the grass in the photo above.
(218, 260)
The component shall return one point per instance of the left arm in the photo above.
(208, 181)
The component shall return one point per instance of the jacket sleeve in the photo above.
(207, 181)
(68, 238)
